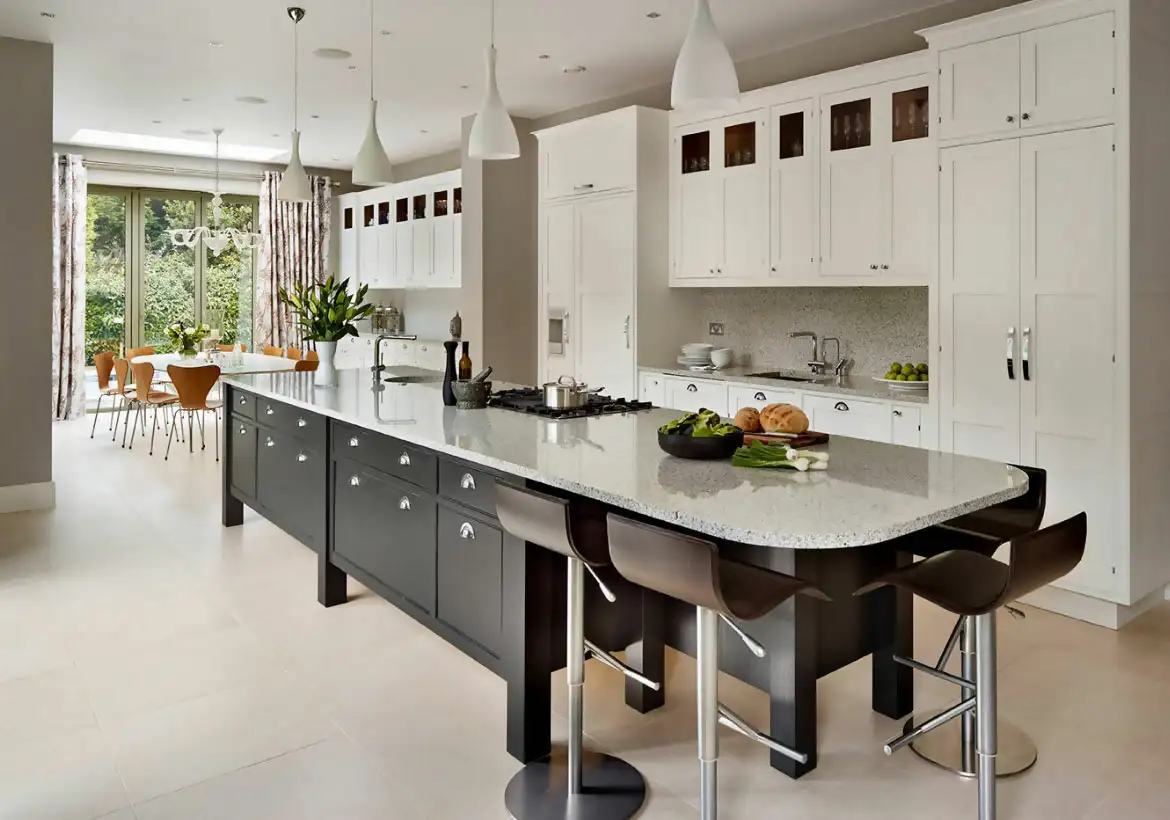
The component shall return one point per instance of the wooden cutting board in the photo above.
(809, 439)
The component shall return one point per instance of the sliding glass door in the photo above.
(138, 281)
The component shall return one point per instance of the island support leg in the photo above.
(892, 614)
(532, 574)
(332, 582)
(792, 665)
(233, 508)
(648, 654)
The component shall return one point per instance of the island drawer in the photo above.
(474, 488)
(470, 577)
(243, 404)
(386, 527)
(304, 425)
(387, 454)
(243, 455)
(291, 485)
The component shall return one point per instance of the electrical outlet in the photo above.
(715, 328)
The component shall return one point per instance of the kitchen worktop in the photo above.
(861, 386)
(871, 493)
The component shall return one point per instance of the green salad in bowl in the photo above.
(702, 435)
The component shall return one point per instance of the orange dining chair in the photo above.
(135, 352)
(193, 385)
(144, 374)
(312, 356)
(126, 392)
(104, 364)
(294, 353)
(304, 365)
(231, 348)
(269, 350)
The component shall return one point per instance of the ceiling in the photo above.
(122, 65)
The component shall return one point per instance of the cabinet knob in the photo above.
(719, 270)
(353, 442)
(1011, 118)
(354, 481)
(404, 503)
(1026, 116)
(873, 267)
(692, 388)
(404, 459)
(885, 267)
(269, 411)
(269, 443)
(466, 531)
(467, 482)
(842, 406)
(773, 269)
(761, 397)
(243, 430)
(301, 422)
(243, 401)
(302, 458)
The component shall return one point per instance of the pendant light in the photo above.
(294, 185)
(493, 136)
(372, 166)
(704, 76)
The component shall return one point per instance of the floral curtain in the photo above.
(69, 189)
(295, 250)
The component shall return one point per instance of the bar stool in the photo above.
(975, 587)
(691, 570)
(983, 532)
(593, 785)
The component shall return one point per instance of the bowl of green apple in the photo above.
(906, 377)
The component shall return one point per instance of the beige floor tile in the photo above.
(45, 703)
(81, 790)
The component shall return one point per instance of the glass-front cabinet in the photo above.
(793, 191)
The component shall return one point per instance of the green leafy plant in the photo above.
(326, 311)
(187, 337)
(704, 424)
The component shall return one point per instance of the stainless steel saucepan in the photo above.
(566, 393)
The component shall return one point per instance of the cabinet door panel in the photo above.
(979, 89)
(979, 300)
(560, 252)
(794, 191)
(745, 224)
(699, 238)
(845, 416)
(470, 577)
(368, 253)
(852, 214)
(740, 396)
(444, 251)
(243, 456)
(1068, 305)
(604, 340)
(907, 427)
(1068, 72)
(912, 208)
(350, 265)
(652, 388)
(404, 252)
(693, 395)
(422, 244)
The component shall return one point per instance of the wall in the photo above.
(876, 326)
(427, 313)
(26, 256)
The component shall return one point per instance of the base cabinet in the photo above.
(470, 577)
(243, 456)
(855, 418)
(290, 484)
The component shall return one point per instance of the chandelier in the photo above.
(215, 238)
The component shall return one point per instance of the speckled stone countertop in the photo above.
(862, 386)
(871, 492)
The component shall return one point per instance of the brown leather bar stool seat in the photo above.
(586, 786)
(982, 532)
(975, 587)
(691, 570)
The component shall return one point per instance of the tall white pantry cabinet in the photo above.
(1053, 292)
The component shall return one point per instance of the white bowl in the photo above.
(697, 350)
(722, 357)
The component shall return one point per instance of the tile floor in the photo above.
(154, 666)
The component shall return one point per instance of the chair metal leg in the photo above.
(985, 711)
(117, 407)
(126, 424)
(969, 672)
(190, 431)
(97, 412)
(139, 412)
(707, 628)
(949, 649)
(202, 432)
(171, 434)
(153, 429)
(575, 666)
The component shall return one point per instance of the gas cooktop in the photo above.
(531, 400)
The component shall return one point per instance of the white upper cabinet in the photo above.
(422, 239)
(698, 235)
(348, 264)
(794, 241)
(599, 157)
(403, 243)
(1056, 75)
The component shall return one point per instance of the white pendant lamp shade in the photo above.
(493, 136)
(704, 76)
(372, 166)
(294, 184)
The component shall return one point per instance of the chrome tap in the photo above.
(378, 366)
(817, 365)
(841, 364)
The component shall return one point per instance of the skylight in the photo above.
(174, 145)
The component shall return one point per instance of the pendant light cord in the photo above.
(371, 49)
(493, 26)
(296, 77)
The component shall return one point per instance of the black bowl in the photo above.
(701, 448)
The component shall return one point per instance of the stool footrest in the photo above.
(938, 673)
(612, 662)
(733, 721)
(929, 726)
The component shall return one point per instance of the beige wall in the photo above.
(26, 254)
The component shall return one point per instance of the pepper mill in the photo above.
(449, 375)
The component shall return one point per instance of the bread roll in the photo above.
(783, 418)
(748, 420)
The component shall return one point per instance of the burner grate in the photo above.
(531, 400)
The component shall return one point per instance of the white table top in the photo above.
(252, 363)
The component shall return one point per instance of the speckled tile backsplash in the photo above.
(876, 326)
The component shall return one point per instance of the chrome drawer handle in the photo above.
(269, 411)
(302, 458)
(404, 503)
(404, 459)
(269, 443)
(467, 482)
(302, 423)
(353, 442)
(354, 481)
(586, 187)
(761, 397)
(692, 389)
(842, 406)
(466, 531)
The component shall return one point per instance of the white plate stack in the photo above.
(697, 356)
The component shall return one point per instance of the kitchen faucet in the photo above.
(378, 366)
(816, 365)
(841, 364)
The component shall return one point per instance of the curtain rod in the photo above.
(106, 165)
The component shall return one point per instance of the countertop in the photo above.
(871, 492)
(862, 386)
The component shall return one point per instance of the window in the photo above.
(138, 281)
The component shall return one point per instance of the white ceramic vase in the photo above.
(326, 374)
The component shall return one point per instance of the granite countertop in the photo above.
(871, 492)
(862, 386)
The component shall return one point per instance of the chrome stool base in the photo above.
(944, 748)
(611, 789)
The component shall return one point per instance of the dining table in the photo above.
(230, 364)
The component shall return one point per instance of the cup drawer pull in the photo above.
(404, 503)
(302, 423)
(466, 531)
(302, 458)
(842, 406)
(467, 482)
(404, 459)
(269, 443)
(354, 481)
(353, 442)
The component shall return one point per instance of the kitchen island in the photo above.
(396, 490)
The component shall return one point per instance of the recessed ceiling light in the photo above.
(186, 99)
(332, 54)
(386, 32)
(575, 69)
(315, 116)
(464, 87)
(174, 145)
(48, 14)
(276, 135)
(423, 131)
(353, 68)
(336, 159)
(157, 122)
(542, 56)
(193, 132)
(250, 100)
(653, 15)
(215, 44)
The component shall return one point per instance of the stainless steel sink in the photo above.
(786, 377)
